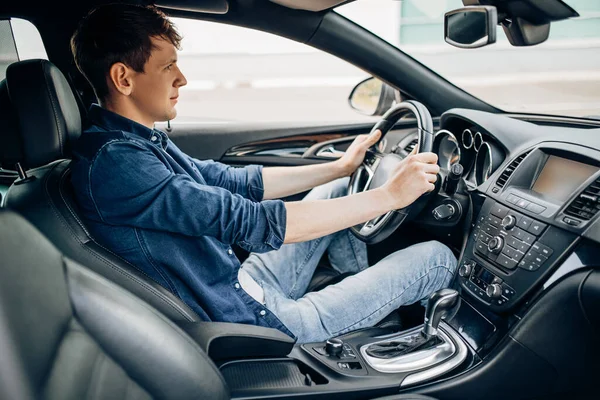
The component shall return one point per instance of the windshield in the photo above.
(560, 76)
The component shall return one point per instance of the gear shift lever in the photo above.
(440, 305)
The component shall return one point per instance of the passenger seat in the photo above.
(68, 333)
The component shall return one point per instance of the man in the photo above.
(175, 217)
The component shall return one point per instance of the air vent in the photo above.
(411, 145)
(501, 181)
(586, 205)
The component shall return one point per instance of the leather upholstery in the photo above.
(68, 333)
(46, 110)
(46, 198)
(47, 202)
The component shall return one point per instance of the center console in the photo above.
(536, 211)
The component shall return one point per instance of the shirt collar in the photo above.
(111, 121)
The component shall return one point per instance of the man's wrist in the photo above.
(342, 169)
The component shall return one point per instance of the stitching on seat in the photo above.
(126, 274)
(54, 106)
(152, 310)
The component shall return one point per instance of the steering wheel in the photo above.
(378, 167)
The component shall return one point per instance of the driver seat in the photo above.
(41, 119)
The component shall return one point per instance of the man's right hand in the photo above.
(414, 176)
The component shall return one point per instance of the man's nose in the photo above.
(181, 81)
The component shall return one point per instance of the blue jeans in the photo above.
(360, 300)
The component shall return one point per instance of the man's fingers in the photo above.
(431, 168)
(429, 158)
(431, 178)
(373, 137)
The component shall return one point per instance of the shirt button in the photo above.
(237, 285)
(230, 252)
(262, 313)
(154, 138)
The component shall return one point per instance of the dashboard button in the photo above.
(517, 244)
(571, 221)
(535, 208)
(524, 222)
(529, 266)
(490, 230)
(512, 199)
(523, 236)
(481, 247)
(484, 237)
(512, 253)
(542, 249)
(522, 203)
(509, 222)
(537, 228)
(493, 220)
(534, 257)
(499, 210)
(506, 262)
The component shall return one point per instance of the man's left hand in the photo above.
(355, 154)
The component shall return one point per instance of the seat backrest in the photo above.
(41, 117)
(68, 333)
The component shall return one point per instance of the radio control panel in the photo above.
(508, 253)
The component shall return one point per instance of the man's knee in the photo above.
(330, 190)
(438, 255)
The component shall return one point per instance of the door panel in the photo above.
(274, 144)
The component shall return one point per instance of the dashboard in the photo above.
(538, 187)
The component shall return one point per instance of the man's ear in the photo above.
(120, 76)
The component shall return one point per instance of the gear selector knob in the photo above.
(439, 305)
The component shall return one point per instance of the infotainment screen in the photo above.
(560, 177)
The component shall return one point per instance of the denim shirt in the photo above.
(175, 217)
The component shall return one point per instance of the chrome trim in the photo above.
(475, 147)
(470, 139)
(330, 151)
(427, 363)
(447, 133)
(443, 368)
(489, 171)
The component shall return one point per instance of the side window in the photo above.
(238, 74)
(19, 40)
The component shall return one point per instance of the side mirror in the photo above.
(471, 27)
(373, 97)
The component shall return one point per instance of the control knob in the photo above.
(495, 244)
(508, 222)
(465, 270)
(494, 290)
(334, 347)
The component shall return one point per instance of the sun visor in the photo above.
(205, 6)
(309, 5)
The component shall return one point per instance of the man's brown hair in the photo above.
(118, 33)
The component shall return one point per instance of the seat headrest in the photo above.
(47, 116)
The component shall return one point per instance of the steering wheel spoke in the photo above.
(378, 167)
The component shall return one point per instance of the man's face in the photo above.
(155, 91)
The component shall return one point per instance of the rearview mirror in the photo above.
(471, 27)
(373, 97)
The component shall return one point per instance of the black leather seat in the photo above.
(68, 333)
(40, 118)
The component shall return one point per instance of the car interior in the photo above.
(517, 200)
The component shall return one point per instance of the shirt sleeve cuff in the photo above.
(256, 189)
